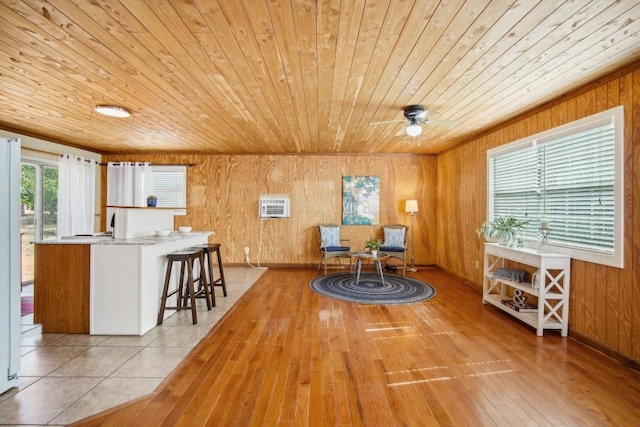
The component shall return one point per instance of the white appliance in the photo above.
(9, 263)
(274, 206)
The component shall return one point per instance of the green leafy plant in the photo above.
(374, 244)
(503, 229)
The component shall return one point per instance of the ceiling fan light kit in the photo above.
(414, 129)
(414, 113)
(112, 111)
(417, 116)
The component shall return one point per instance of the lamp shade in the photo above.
(411, 206)
(414, 130)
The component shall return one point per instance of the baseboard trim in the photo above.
(630, 363)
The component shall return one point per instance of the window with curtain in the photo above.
(571, 176)
(129, 184)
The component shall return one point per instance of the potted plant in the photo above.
(152, 201)
(502, 229)
(373, 246)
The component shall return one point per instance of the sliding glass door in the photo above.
(39, 208)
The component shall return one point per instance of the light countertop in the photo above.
(107, 240)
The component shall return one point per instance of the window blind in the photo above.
(168, 184)
(516, 186)
(568, 179)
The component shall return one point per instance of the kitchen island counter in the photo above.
(104, 286)
(103, 239)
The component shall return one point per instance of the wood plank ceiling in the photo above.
(298, 76)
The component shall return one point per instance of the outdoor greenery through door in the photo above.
(38, 209)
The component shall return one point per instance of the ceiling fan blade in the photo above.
(401, 132)
(446, 123)
(392, 121)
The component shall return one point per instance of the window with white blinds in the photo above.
(169, 185)
(571, 176)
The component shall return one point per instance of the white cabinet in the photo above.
(552, 290)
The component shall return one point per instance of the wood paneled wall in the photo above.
(223, 192)
(603, 299)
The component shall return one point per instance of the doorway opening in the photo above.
(38, 221)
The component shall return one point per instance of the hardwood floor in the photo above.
(286, 356)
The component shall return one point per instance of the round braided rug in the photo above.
(370, 290)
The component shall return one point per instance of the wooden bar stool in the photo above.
(186, 259)
(203, 290)
(207, 248)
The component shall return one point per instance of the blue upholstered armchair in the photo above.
(395, 243)
(331, 245)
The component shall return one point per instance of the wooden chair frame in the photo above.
(396, 254)
(326, 255)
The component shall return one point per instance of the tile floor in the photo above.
(67, 377)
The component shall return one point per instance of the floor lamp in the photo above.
(411, 206)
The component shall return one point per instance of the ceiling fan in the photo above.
(417, 115)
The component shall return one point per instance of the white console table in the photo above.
(552, 289)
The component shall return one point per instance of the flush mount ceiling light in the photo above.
(112, 111)
(414, 129)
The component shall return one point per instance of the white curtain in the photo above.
(127, 183)
(76, 195)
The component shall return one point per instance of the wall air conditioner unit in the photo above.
(274, 206)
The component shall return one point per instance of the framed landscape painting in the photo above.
(360, 200)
